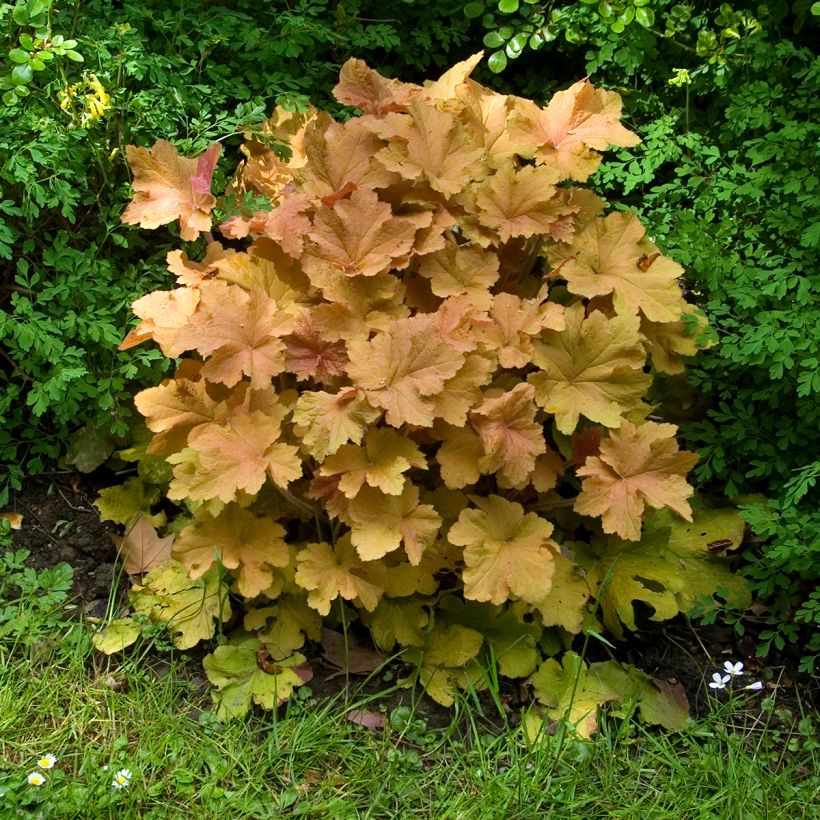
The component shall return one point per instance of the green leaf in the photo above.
(116, 636)
(497, 62)
(75, 56)
(17, 55)
(22, 74)
(516, 45)
(645, 16)
(168, 595)
(493, 40)
(236, 672)
(123, 503)
(508, 6)
(20, 15)
(669, 569)
(473, 10)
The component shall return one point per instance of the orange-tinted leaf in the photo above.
(430, 145)
(667, 343)
(605, 259)
(142, 549)
(356, 237)
(402, 368)
(638, 465)
(364, 88)
(341, 158)
(459, 455)
(168, 187)
(240, 331)
(224, 459)
(173, 409)
(593, 368)
(190, 273)
(268, 269)
(237, 539)
(520, 202)
(329, 572)
(463, 391)
(514, 323)
(576, 121)
(447, 86)
(510, 436)
(506, 553)
(458, 269)
(164, 314)
(309, 354)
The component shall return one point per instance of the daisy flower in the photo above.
(121, 779)
(733, 669)
(47, 762)
(35, 779)
(719, 681)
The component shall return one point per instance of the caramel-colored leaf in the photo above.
(638, 465)
(329, 572)
(381, 523)
(606, 258)
(326, 421)
(592, 368)
(381, 462)
(235, 539)
(142, 549)
(168, 187)
(507, 552)
(401, 369)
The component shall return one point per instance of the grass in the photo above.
(151, 716)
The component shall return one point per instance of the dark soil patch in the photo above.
(60, 523)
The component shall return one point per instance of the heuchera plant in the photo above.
(415, 382)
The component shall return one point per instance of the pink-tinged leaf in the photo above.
(370, 720)
(205, 166)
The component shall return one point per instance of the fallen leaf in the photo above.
(370, 720)
(355, 658)
(15, 519)
(142, 549)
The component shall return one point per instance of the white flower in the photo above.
(121, 779)
(733, 668)
(719, 681)
(47, 762)
(35, 779)
(755, 687)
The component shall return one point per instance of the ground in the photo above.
(60, 523)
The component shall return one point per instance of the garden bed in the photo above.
(60, 524)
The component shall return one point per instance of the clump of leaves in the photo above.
(419, 388)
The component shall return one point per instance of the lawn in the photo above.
(146, 716)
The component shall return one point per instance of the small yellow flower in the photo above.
(47, 762)
(66, 95)
(681, 77)
(36, 779)
(98, 100)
